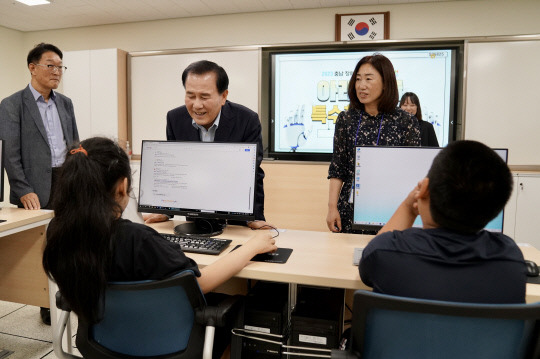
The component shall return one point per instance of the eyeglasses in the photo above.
(52, 68)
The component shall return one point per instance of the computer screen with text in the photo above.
(198, 179)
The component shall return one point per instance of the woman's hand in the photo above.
(333, 219)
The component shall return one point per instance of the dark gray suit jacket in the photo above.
(27, 154)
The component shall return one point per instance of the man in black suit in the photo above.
(207, 116)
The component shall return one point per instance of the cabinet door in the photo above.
(95, 82)
(528, 210)
(509, 225)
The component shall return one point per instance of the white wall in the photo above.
(14, 72)
(494, 79)
(407, 21)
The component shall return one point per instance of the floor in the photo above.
(23, 333)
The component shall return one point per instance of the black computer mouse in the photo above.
(532, 269)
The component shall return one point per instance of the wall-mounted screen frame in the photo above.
(308, 88)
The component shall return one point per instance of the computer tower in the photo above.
(265, 312)
(317, 319)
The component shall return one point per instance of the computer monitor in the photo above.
(211, 182)
(383, 178)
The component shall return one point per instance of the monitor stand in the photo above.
(201, 228)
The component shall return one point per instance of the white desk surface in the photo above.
(18, 219)
(318, 258)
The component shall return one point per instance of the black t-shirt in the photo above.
(439, 264)
(141, 253)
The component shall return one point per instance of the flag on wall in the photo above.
(362, 27)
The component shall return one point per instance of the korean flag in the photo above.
(362, 27)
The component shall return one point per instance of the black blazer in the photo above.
(236, 124)
(427, 135)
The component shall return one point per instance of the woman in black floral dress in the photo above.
(372, 120)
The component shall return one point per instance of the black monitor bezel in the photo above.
(455, 85)
(197, 213)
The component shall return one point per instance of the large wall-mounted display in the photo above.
(308, 89)
(487, 102)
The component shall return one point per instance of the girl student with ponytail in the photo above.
(89, 244)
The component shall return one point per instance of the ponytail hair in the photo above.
(78, 251)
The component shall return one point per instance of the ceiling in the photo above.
(76, 13)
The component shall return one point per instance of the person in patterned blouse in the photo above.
(372, 119)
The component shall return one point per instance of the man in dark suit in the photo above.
(207, 116)
(38, 126)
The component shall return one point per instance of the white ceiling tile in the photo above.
(222, 7)
(197, 7)
(334, 3)
(248, 5)
(76, 13)
(272, 5)
(305, 4)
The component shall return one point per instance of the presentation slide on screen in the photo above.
(310, 90)
(210, 177)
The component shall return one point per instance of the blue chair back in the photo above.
(390, 327)
(146, 319)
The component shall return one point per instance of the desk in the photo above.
(22, 236)
(318, 258)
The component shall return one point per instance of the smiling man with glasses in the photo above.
(38, 125)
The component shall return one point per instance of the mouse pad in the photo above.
(533, 280)
(281, 255)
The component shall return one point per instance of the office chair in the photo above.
(391, 327)
(386, 326)
(168, 319)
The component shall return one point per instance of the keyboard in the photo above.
(357, 255)
(204, 245)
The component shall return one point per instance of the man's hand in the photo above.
(154, 218)
(411, 202)
(30, 201)
(260, 225)
(406, 213)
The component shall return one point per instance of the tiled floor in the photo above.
(23, 333)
